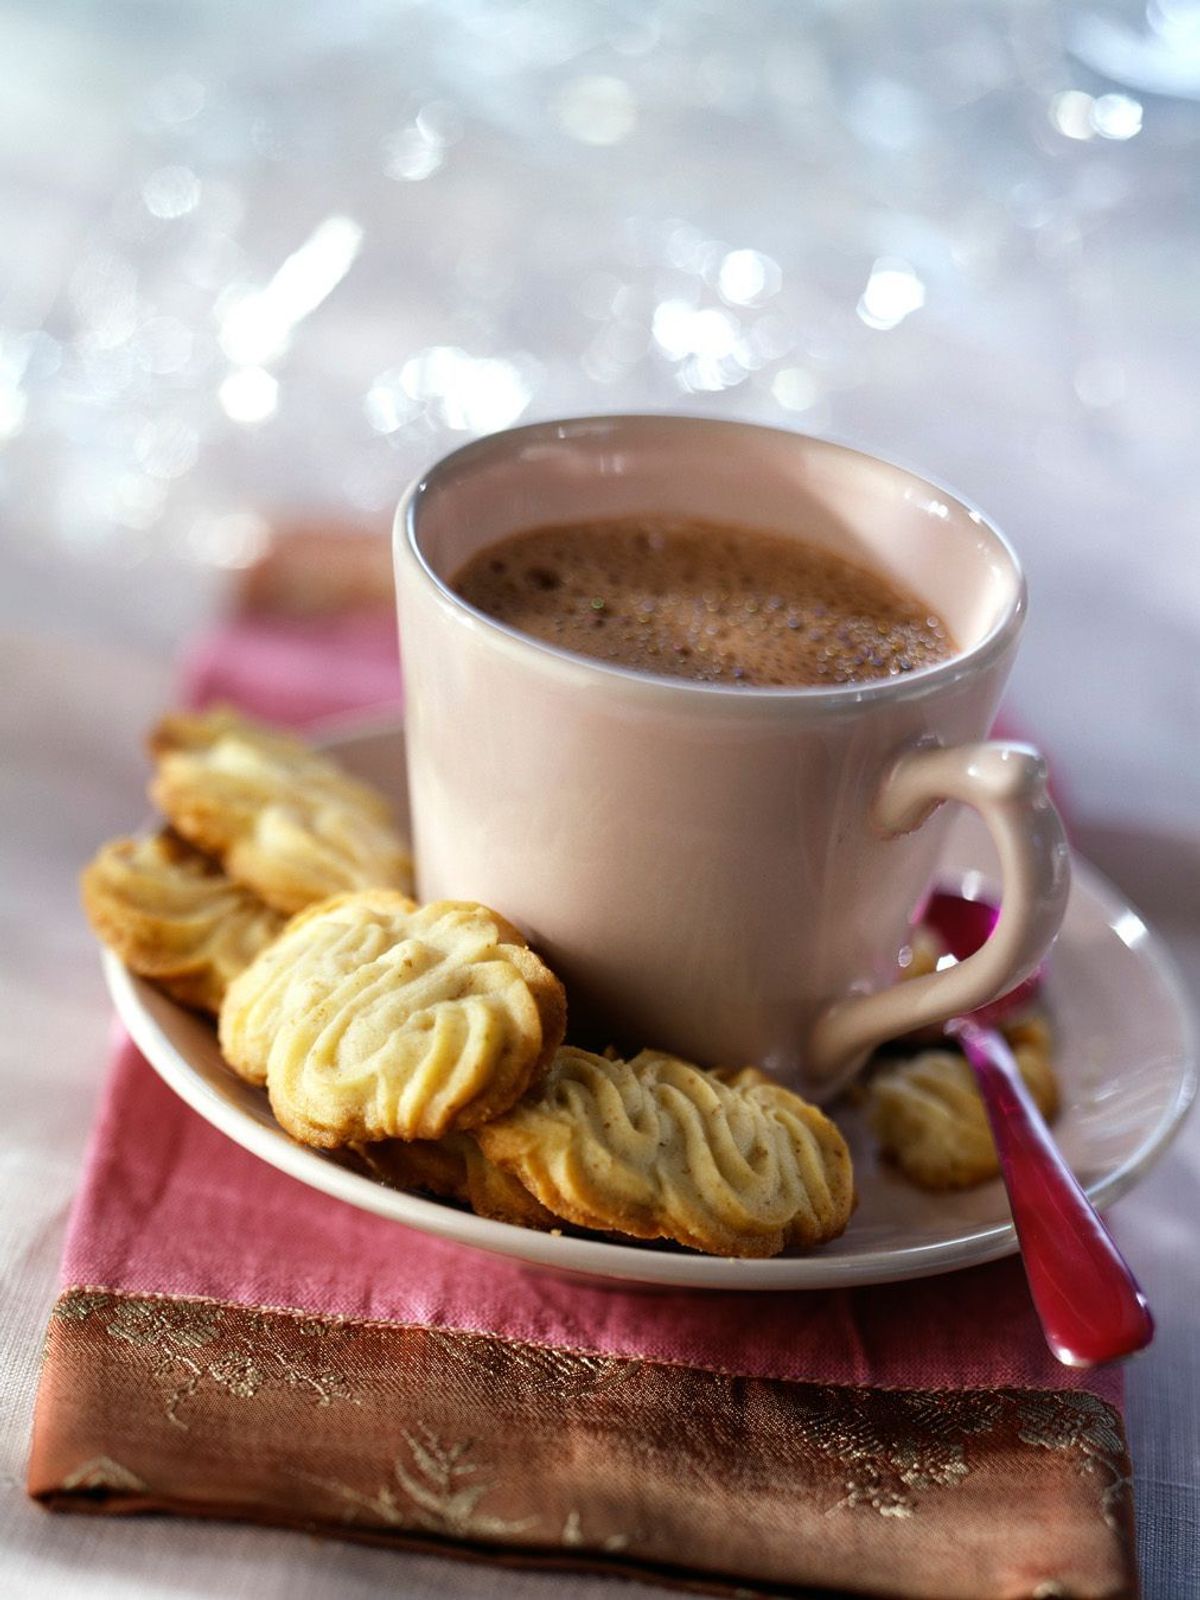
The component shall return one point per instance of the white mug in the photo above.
(724, 872)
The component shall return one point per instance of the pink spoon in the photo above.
(1087, 1300)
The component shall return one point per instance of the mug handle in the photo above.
(1006, 784)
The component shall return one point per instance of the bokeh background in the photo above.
(260, 263)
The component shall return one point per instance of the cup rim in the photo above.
(579, 669)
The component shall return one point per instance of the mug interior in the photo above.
(865, 510)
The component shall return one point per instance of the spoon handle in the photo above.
(1088, 1301)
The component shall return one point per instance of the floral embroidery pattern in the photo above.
(473, 1438)
(175, 1329)
(1080, 1422)
(924, 1442)
(921, 1446)
(569, 1375)
(438, 1489)
(102, 1472)
(77, 1305)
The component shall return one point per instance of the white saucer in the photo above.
(1127, 1064)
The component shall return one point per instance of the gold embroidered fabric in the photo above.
(513, 1452)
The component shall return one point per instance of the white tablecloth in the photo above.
(946, 239)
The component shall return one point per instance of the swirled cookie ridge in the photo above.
(374, 1018)
(285, 820)
(658, 1148)
(173, 916)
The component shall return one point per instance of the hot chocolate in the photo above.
(714, 602)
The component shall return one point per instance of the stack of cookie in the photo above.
(428, 1040)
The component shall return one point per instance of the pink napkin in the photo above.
(969, 1329)
(169, 1212)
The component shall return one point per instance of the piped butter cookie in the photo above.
(929, 1118)
(173, 916)
(284, 820)
(660, 1149)
(374, 1018)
